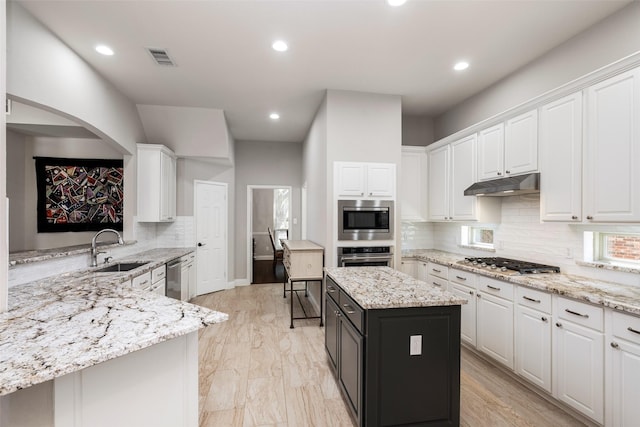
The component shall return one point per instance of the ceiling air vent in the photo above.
(161, 56)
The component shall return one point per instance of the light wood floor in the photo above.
(255, 371)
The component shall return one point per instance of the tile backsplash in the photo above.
(521, 235)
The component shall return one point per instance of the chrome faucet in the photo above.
(94, 249)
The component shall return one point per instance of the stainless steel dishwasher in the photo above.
(174, 280)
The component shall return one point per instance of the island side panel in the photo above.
(405, 388)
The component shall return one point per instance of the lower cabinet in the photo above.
(578, 360)
(495, 320)
(410, 267)
(396, 366)
(623, 370)
(468, 312)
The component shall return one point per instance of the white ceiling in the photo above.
(225, 61)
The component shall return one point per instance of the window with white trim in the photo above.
(480, 237)
(617, 248)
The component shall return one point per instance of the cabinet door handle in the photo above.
(544, 319)
(493, 287)
(614, 344)
(338, 314)
(499, 173)
(437, 271)
(559, 325)
(330, 289)
(349, 310)
(530, 299)
(507, 171)
(574, 217)
(589, 217)
(575, 313)
(461, 278)
(478, 295)
(201, 244)
(630, 329)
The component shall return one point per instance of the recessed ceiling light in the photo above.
(280, 46)
(462, 65)
(396, 3)
(274, 116)
(105, 50)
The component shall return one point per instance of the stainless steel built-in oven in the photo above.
(365, 220)
(376, 256)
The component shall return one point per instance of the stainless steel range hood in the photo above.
(508, 186)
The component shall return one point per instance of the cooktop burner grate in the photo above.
(523, 267)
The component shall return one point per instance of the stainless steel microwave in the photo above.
(365, 220)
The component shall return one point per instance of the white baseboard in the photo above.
(242, 282)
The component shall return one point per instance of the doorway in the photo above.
(210, 210)
(268, 208)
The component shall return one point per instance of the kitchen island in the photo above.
(394, 345)
(100, 352)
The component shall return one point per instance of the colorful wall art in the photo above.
(79, 194)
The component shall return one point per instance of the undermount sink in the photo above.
(120, 266)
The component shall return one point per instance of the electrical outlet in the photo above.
(415, 346)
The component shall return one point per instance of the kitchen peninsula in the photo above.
(111, 354)
(394, 345)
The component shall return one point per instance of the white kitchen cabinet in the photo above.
(561, 159)
(410, 267)
(533, 336)
(438, 183)
(365, 180)
(452, 169)
(156, 183)
(521, 144)
(510, 148)
(159, 280)
(413, 184)
(142, 281)
(578, 357)
(437, 275)
(463, 284)
(188, 276)
(495, 320)
(623, 370)
(612, 151)
(422, 271)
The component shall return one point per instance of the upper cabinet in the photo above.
(612, 150)
(451, 169)
(365, 180)
(510, 148)
(561, 159)
(156, 183)
(413, 184)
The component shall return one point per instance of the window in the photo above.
(479, 237)
(281, 204)
(618, 248)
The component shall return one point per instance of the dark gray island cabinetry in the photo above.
(394, 345)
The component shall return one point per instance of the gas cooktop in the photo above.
(505, 264)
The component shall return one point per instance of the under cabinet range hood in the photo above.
(508, 186)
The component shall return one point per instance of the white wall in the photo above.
(21, 185)
(188, 131)
(417, 130)
(521, 235)
(612, 39)
(4, 250)
(43, 71)
(264, 163)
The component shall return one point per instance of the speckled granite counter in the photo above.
(76, 320)
(383, 287)
(613, 295)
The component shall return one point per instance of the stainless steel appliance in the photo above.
(510, 265)
(376, 256)
(174, 280)
(365, 219)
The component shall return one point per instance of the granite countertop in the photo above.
(383, 287)
(608, 294)
(75, 320)
(37, 255)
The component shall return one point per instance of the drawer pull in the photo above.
(559, 325)
(436, 283)
(350, 310)
(543, 318)
(530, 299)
(630, 329)
(461, 278)
(436, 270)
(470, 292)
(586, 316)
(144, 283)
(493, 287)
(614, 344)
(330, 289)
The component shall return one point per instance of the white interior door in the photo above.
(210, 202)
